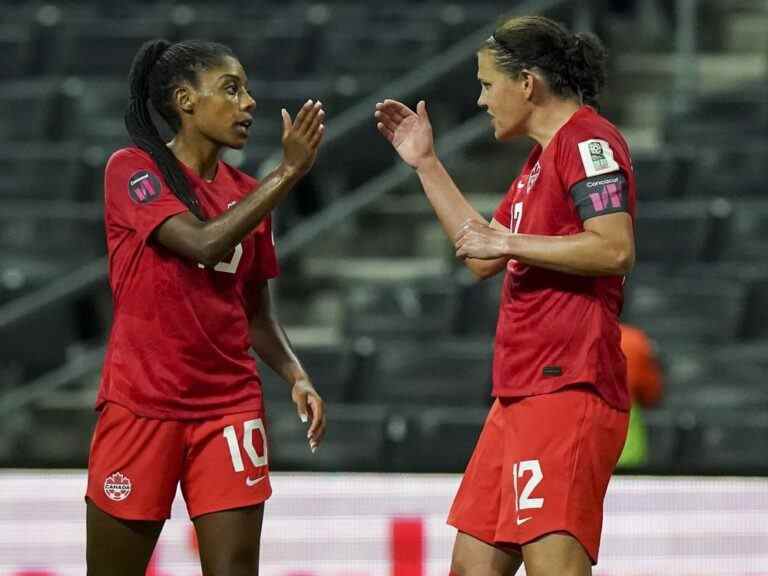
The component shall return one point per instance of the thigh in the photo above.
(227, 464)
(116, 547)
(134, 464)
(475, 508)
(229, 541)
(558, 553)
(473, 557)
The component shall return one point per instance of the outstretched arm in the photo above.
(410, 133)
(210, 242)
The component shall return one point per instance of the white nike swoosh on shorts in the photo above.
(250, 482)
(521, 521)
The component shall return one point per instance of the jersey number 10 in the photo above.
(234, 448)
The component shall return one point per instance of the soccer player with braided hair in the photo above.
(533, 490)
(191, 253)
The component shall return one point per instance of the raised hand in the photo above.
(302, 136)
(409, 132)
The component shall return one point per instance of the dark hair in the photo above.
(158, 68)
(572, 64)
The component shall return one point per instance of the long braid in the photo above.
(158, 68)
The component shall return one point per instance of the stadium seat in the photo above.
(478, 305)
(25, 110)
(754, 322)
(16, 48)
(100, 46)
(438, 372)
(331, 368)
(660, 176)
(356, 439)
(444, 438)
(725, 441)
(39, 171)
(671, 233)
(419, 310)
(670, 307)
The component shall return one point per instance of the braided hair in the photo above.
(158, 69)
(572, 64)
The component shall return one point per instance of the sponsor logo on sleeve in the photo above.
(597, 157)
(143, 187)
(117, 487)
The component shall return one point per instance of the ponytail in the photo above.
(142, 130)
(588, 58)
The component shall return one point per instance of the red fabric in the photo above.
(573, 438)
(155, 455)
(563, 322)
(179, 344)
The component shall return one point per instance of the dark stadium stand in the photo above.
(396, 335)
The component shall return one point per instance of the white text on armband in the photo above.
(600, 195)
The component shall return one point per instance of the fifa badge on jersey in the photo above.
(117, 487)
(597, 157)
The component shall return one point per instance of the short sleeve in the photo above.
(585, 157)
(503, 214)
(265, 264)
(136, 195)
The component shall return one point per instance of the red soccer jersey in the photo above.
(557, 329)
(180, 340)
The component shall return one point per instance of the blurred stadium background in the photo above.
(394, 332)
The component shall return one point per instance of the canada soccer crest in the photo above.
(117, 487)
(533, 177)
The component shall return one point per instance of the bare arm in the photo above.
(270, 342)
(411, 135)
(210, 242)
(453, 210)
(605, 248)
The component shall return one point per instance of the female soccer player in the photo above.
(190, 255)
(533, 490)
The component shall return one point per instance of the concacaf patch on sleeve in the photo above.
(597, 157)
(143, 187)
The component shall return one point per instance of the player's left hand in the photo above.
(476, 239)
(311, 407)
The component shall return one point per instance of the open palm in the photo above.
(409, 132)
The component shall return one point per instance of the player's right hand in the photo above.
(409, 132)
(302, 136)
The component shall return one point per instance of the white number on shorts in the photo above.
(231, 266)
(234, 449)
(524, 501)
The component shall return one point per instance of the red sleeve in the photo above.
(503, 214)
(265, 266)
(581, 157)
(136, 195)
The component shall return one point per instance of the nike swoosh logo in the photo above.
(521, 521)
(250, 482)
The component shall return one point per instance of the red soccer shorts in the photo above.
(541, 465)
(136, 464)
